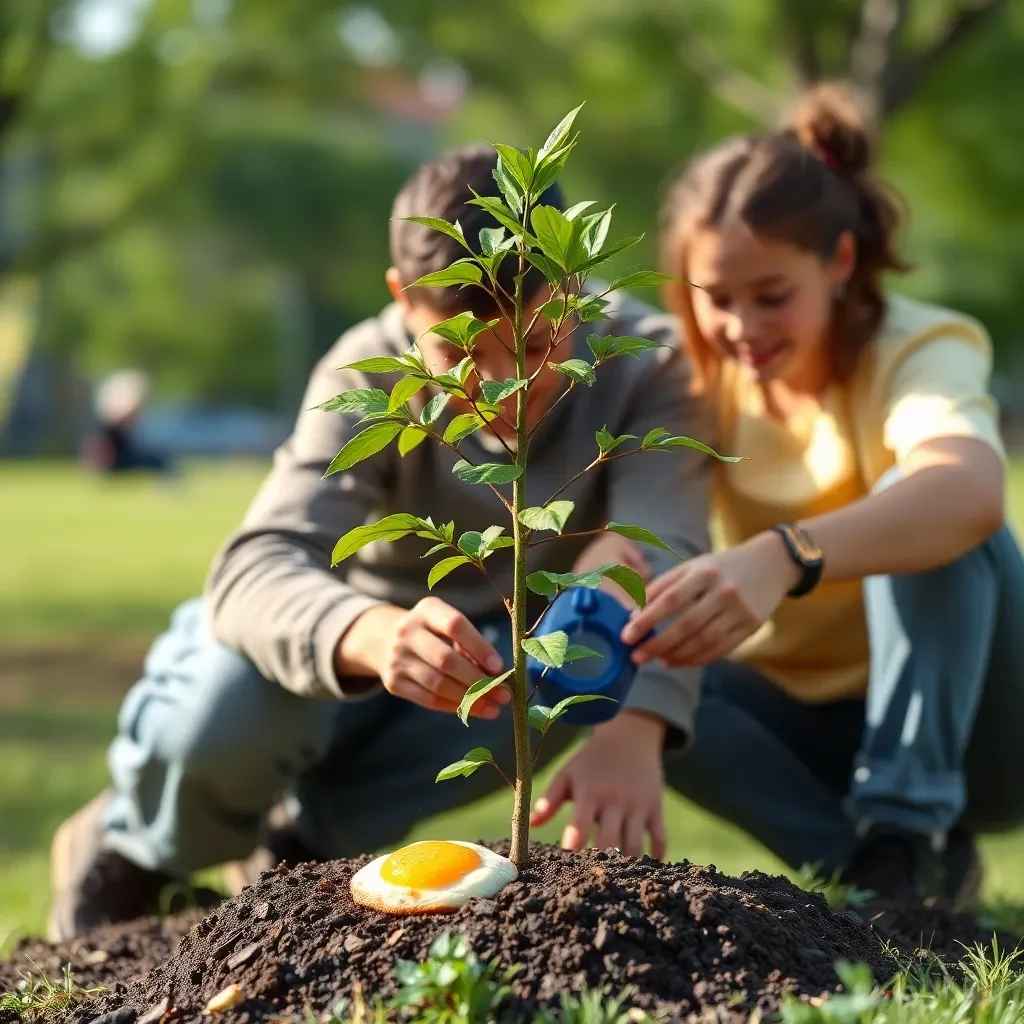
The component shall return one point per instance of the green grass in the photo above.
(90, 570)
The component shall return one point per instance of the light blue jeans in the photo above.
(205, 745)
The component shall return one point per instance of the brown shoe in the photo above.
(279, 844)
(92, 885)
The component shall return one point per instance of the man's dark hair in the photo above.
(441, 188)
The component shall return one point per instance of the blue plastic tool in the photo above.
(595, 619)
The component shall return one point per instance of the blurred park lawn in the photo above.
(89, 571)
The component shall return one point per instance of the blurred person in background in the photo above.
(863, 627)
(120, 400)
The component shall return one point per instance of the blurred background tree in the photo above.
(202, 186)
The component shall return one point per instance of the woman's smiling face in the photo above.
(763, 302)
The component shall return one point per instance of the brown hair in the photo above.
(443, 187)
(806, 185)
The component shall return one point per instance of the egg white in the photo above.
(369, 889)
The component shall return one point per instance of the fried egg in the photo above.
(431, 877)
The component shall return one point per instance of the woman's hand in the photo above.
(711, 604)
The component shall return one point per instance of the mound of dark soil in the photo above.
(687, 939)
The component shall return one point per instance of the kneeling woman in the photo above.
(863, 627)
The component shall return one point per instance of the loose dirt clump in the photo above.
(685, 938)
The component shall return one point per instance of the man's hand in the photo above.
(613, 549)
(615, 783)
(429, 656)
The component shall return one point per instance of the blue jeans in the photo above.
(205, 745)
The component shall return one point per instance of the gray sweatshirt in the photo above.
(272, 595)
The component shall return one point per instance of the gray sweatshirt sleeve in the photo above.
(668, 493)
(271, 594)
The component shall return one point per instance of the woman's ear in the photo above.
(844, 262)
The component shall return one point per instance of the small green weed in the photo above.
(598, 1006)
(838, 895)
(38, 997)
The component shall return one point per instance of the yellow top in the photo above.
(925, 376)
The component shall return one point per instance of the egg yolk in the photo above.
(430, 865)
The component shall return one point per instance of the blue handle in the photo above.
(595, 619)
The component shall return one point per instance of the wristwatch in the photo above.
(805, 553)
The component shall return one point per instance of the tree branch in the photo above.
(906, 75)
(731, 85)
(873, 50)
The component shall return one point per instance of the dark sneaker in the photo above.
(889, 863)
(962, 871)
(279, 844)
(93, 885)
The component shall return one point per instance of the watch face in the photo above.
(807, 550)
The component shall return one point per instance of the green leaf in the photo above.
(478, 690)
(549, 583)
(538, 716)
(389, 528)
(516, 165)
(509, 189)
(366, 443)
(548, 649)
(590, 308)
(577, 652)
(434, 550)
(461, 329)
(502, 214)
(556, 309)
(595, 230)
(680, 441)
(409, 439)
(554, 233)
(606, 254)
(495, 391)
(630, 580)
(491, 534)
(607, 443)
(433, 409)
(540, 582)
(469, 764)
(462, 426)
(548, 172)
(574, 211)
(653, 436)
(378, 364)
(501, 542)
(492, 240)
(542, 718)
(403, 391)
(549, 268)
(578, 369)
(442, 568)
(358, 401)
(487, 473)
(451, 230)
(638, 533)
(639, 279)
(550, 517)
(558, 136)
(608, 346)
(578, 698)
(470, 542)
(464, 271)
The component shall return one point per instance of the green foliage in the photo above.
(467, 765)
(451, 986)
(838, 894)
(542, 718)
(480, 689)
(37, 997)
(599, 1006)
(551, 517)
(550, 584)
